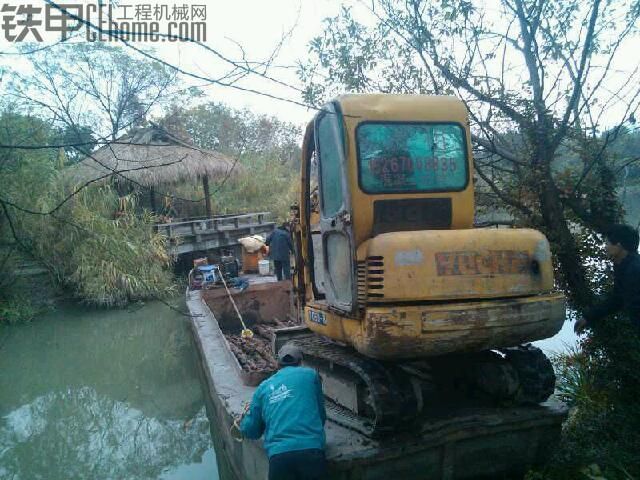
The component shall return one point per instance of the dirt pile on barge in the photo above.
(264, 307)
(255, 354)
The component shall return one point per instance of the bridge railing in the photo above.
(221, 223)
(212, 233)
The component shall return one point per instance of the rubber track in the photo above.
(393, 398)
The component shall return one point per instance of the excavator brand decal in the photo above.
(492, 262)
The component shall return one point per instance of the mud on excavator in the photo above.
(413, 307)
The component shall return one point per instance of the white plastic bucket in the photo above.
(264, 267)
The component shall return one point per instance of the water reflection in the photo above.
(80, 433)
(103, 394)
(111, 395)
(564, 341)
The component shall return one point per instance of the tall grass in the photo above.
(106, 255)
(263, 184)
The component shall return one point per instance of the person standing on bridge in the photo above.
(280, 246)
(288, 408)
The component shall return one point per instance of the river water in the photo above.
(103, 394)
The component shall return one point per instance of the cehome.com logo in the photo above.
(102, 21)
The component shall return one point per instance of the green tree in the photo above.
(100, 259)
(25, 178)
(103, 259)
(79, 135)
(217, 126)
(265, 151)
(79, 95)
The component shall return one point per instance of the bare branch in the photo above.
(579, 77)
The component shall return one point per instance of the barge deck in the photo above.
(459, 444)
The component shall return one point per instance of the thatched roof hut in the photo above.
(151, 157)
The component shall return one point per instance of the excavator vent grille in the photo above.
(362, 283)
(370, 279)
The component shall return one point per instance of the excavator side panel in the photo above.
(434, 265)
(413, 331)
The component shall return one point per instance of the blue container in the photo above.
(209, 273)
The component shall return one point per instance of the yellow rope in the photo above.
(236, 424)
(246, 333)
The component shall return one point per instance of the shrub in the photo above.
(601, 383)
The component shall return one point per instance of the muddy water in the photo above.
(104, 395)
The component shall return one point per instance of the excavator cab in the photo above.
(389, 259)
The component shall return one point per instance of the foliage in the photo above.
(265, 150)
(79, 135)
(102, 260)
(105, 261)
(261, 184)
(216, 126)
(24, 176)
(90, 88)
(77, 95)
(17, 309)
(532, 74)
(600, 382)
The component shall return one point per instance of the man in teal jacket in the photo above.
(288, 408)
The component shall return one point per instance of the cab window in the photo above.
(329, 145)
(411, 157)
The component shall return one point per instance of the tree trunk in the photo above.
(557, 230)
(207, 197)
(152, 199)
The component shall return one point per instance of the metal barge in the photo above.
(456, 443)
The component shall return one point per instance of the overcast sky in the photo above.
(258, 26)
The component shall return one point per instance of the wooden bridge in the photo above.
(217, 232)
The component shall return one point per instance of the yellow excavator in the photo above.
(408, 299)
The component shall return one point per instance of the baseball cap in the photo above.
(289, 354)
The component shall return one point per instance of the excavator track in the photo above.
(536, 377)
(388, 399)
(520, 375)
(376, 398)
